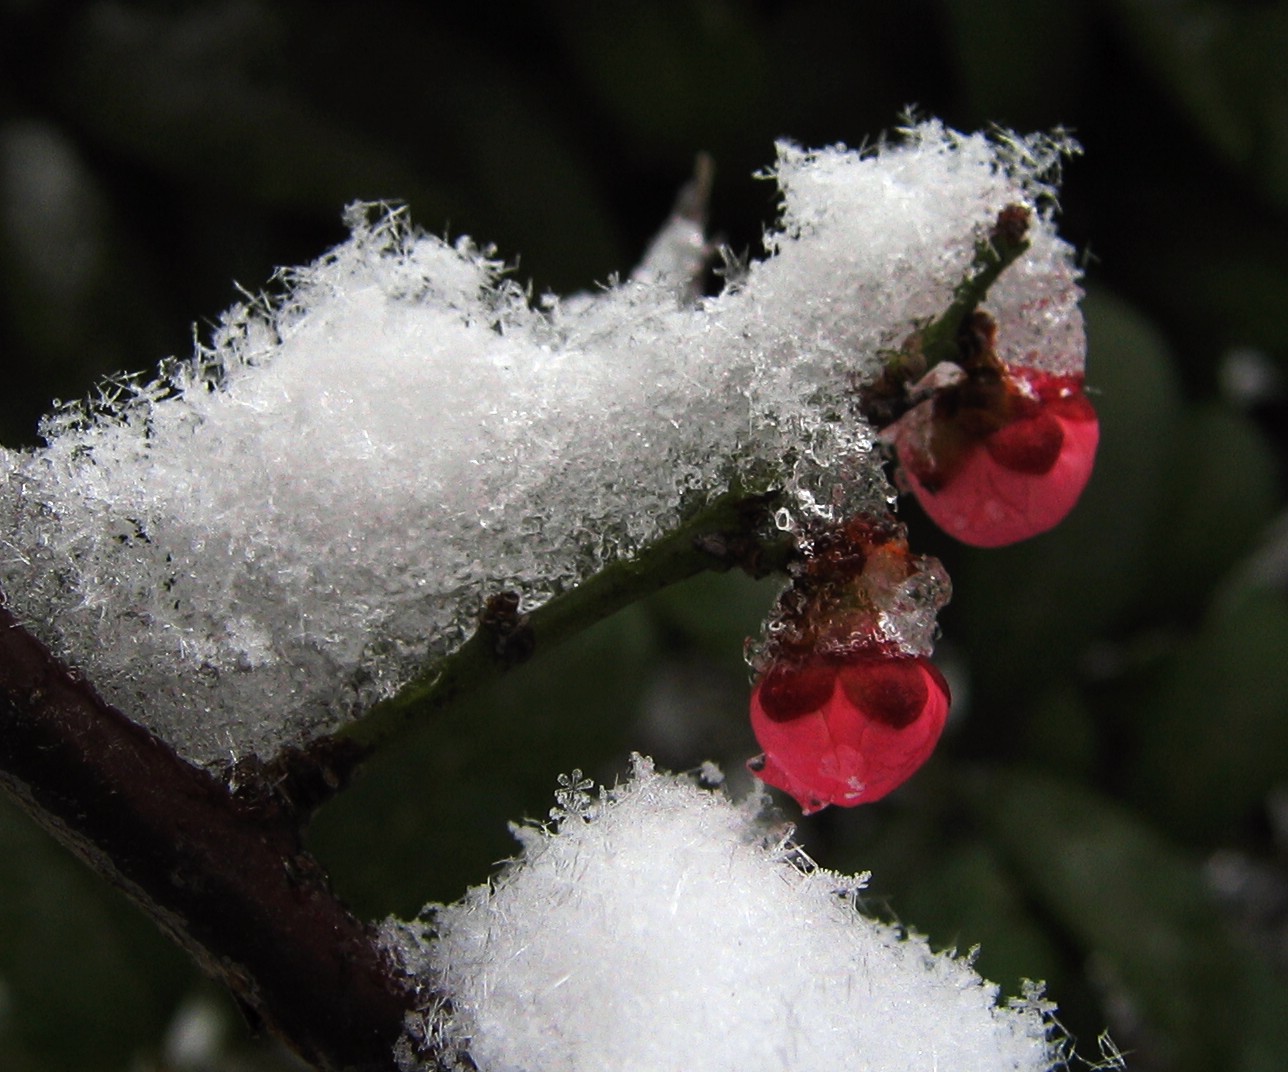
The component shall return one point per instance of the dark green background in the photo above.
(1109, 809)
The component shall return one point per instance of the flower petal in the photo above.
(880, 721)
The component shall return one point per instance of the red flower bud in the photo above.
(999, 457)
(846, 730)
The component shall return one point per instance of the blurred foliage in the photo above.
(1109, 810)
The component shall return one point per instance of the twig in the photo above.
(722, 536)
(225, 878)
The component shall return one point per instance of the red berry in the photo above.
(846, 730)
(1000, 470)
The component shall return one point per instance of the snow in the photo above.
(273, 534)
(662, 926)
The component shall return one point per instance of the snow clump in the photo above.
(662, 926)
(279, 531)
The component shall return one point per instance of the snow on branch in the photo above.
(660, 925)
(293, 520)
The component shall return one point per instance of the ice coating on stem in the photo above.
(280, 530)
(855, 587)
(659, 925)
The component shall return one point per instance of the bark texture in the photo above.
(223, 873)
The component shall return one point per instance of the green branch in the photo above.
(942, 339)
(728, 532)
(1005, 244)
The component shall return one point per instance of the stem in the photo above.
(1007, 241)
(946, 337)
(227, 879)
(721, 536)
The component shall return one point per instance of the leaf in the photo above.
(427, 819)
(715, 612)
(1140, 914)
(1060, 732)
(1223, 64)
(1207, 738)
(1240, 288)
(963, 897)
(1223, 492)
(88, 980)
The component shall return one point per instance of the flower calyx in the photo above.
(995, 454)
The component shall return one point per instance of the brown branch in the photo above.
(226, 876)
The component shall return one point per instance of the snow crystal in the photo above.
(282, 529)
(670, 928)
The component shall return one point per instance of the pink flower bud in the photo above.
(999, 457)
(846, 731)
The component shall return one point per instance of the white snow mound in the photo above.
(659, 926)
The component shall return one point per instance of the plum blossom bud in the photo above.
(847, 731)
(847, 706)
(1000, 454)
